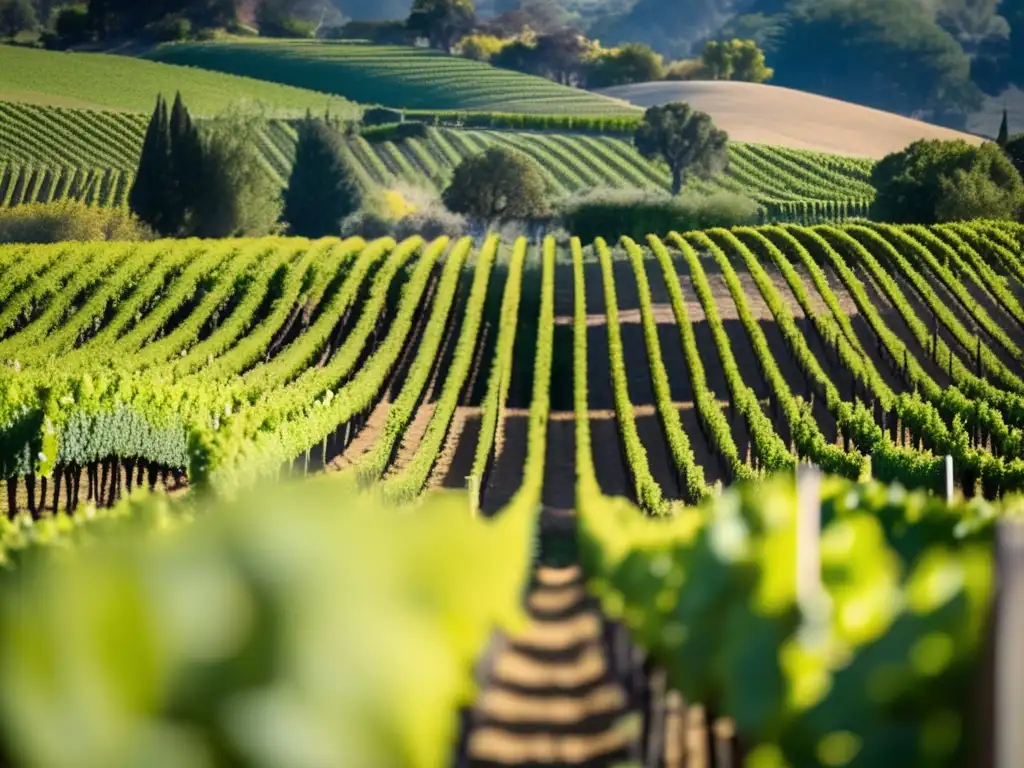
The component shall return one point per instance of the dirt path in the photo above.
(861, 327)
(798, 380)
(506, 474)
(837, 373)
(680, 384)
(364, 440)
(560, 461)
(549, 696)
(894, 320)
(455, 462)
(966, 315)
(640, 384)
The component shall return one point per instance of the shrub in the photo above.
(612, 213)
(68, 220)
(481, 47)
(381, 116)
(402, 211)
(431, 222)
(917, 185)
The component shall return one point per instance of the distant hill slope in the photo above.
(394, 76)
(768, 114)
(49, 153)
(101, 81)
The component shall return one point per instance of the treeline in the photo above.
(932, 60)
(60, 24)
(530, 40)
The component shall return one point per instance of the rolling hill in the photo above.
(46, 148)
(102, 81)
(393, 76)
(768, 114)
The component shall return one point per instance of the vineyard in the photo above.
(106, 82)
(627, 389)
(46, 143)
(394, 76)
(711, 357)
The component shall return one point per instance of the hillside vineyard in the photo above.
(675, 364)
(95, 155)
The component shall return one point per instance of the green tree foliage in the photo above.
(17, 16)
(68, 220)
(630, 63)
(148, 198)
(498, 185)
(71, 25)
(321, 190)
(168, 183)
(735, 60)
(126, 17)
(890, 55)
(240, 199)
(186, 154)
(1014, 149)
(614, 213)
(972, 194)
(934, 181)
(765, 29)
(749, 63)
(279, 18)
(442, 22)
(686, 140)
(670, 27)
(1004, 130)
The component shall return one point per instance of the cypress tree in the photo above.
(186, 153)
(148, 198)
(1004, 130)
(321, 190)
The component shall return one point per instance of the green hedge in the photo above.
(612, 214)
(590, 124)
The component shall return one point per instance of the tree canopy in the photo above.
(17, 16)
(685, 139)
(321, 189)
(239, 197)
(736, 60)
(891, 55)
(1014, 149)
(933, 181)
(442, 22)
(498, 185)
(169, 182)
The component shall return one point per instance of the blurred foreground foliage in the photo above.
(294, 627)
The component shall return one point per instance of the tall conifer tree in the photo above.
(321, 190)
(148, 197)
(1004, 130)
(186, 153)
